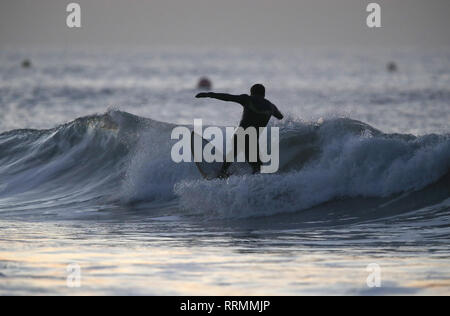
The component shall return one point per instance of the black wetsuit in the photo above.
(257, 113)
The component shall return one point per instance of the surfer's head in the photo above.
(258, 90)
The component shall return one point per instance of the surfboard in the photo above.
(209, 170)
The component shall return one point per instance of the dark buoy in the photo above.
(204, 84)
(392, 67)
(26, 63)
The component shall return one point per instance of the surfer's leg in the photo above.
(256, 165)
(225, 167)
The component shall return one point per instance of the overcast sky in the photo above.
(224, 23)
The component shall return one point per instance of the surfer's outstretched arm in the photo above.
(222, 96)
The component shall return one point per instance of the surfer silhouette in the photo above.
(257, 113)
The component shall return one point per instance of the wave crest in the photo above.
(340, 158)
(125, 158)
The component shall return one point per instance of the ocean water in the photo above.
(86, 177)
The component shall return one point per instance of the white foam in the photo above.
(349, 165)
